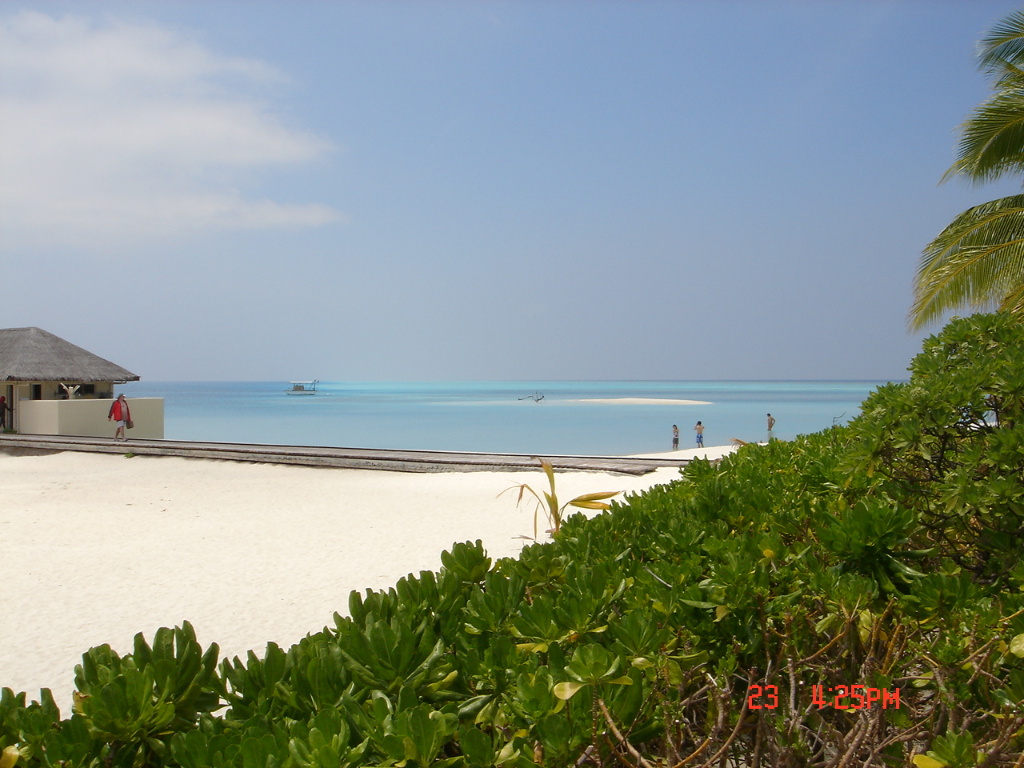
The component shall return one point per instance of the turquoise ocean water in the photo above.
(495, 417)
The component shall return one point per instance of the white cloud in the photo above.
(112, 135)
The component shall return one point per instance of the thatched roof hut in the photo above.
(32, 354)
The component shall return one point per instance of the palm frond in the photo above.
(992, 139)
(977, 262)
(1013, 302)
(1002, 50)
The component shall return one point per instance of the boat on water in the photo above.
(302, 387)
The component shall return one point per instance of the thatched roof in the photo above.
(32, 354)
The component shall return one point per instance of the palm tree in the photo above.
(978, 260)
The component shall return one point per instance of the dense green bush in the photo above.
(853, 597)
(948, 444)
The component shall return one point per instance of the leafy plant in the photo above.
(134, 703)
(849, 598)
(547, 501)
(871, 538)
(949, 443)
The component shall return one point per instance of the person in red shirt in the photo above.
(121, 415)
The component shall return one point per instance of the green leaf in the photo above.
(9, 757)
(698, 604)
(476, 746)
(1017, 645)
(566, 690)
(425, 734)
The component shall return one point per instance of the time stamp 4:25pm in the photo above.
(835, 696)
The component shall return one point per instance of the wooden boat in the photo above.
(302, 387)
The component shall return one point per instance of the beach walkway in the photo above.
(349, 458)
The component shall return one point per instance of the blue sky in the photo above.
(270, 190)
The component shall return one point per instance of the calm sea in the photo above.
(590, 418)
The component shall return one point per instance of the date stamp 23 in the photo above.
(836, 696)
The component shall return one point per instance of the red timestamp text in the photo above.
(837, 697)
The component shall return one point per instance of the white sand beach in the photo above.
(100, 547)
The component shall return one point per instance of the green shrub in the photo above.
(852, 597)
(949, 443)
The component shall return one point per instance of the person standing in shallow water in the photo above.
(771, 425)
(675, 437)
(120, 414)
(699, 429)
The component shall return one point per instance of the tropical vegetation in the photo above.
(850, 598)
(978, 260)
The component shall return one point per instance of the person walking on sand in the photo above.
(699, 429)
(675, 437)
(121, 415)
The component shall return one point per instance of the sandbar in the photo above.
(640, 401)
